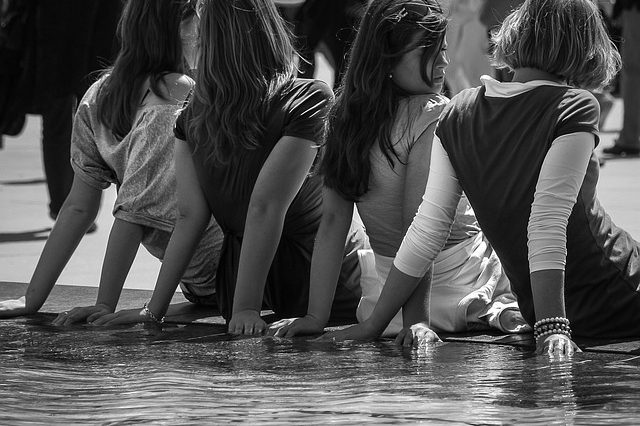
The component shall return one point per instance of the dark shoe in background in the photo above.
(621, 151)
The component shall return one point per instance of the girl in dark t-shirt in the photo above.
(245, 144)
(394, 79)
(523, 154)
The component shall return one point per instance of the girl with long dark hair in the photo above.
(377, 156)
(523, 152)
(245, 146)
(122, 135)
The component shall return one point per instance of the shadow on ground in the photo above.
(37, 181)
(35, 235)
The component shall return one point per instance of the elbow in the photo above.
(193, 217)
(333, 223)
(80, 212)
(262, 209)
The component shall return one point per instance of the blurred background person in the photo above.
(327, 26)
(57, 47)
(468, 45)
(627, 14)
(492, 14)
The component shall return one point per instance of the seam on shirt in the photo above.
(142, 219)
(88, 179)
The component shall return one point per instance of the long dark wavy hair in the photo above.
(367, 101)
(246, 57)
(150, 47)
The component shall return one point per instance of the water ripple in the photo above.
(140, 376)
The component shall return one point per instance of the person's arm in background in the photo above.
(77, 215)
(193, 218)
(422, 243)
(559, 182)
(326, 262)
(280, 179)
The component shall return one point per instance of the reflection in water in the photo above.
(186, 375)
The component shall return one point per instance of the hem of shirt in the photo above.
(579, 128)
(88, 179)
(546, 266)
(299, 136)
(407, 269)
(142, 219)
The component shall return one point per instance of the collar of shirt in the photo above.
(498, 89)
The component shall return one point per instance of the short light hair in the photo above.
(566, 38)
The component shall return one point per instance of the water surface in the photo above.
(197, 374)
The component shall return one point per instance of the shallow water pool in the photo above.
(197, 374)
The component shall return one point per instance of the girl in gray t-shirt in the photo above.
(123, 135)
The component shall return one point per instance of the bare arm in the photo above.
(416, 309)
(77, 214)
(422, 243)
(326, 262)
(122, 248)
(328, 251)
(193, 217)
(125, 237)
(416, 176)
(279, 181)
(397, 290)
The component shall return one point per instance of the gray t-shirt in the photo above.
(380, 208)
(141, 166)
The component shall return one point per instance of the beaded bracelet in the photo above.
(548, 327)
(147, 312)
(552, 325)
(560, 320)
(566, 331)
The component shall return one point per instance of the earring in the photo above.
(390, 76)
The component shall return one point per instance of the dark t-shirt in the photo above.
(497, 146)
(298, 111)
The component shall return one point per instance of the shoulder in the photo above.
(466, 97)
(577, 111)
(416, 113)
(302, 87)
(177, 86)
(574, 96)
(304, 105)
(90, 96)
(578, 103)
(428, 105)
(462, 102)
(87, 110)
(305, 98)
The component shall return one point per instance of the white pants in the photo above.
(469, 289)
